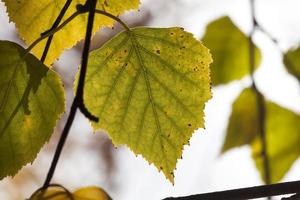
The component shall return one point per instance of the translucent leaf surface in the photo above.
(292, 62)
(148, 86)
(31, 101)
(282, 134)
(59, 193)
(230, 50)
(35, 17)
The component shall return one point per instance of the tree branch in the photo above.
(54, 26)
(91, 5)
(78, 100)
(246, 193)
(261, 108)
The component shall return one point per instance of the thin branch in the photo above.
(61, 143)
(246, 193)
(78, 100)
(261, 108)
(54, 26)
(51, 32)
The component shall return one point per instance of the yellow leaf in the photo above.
(35, 17)
(148, 86)
(91, 193)
(52, 193)
(59, 193)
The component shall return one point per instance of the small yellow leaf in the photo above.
(91, 193)
(52, 193)
(59, 193)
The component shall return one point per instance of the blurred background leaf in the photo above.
(230, 49)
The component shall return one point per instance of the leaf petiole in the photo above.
(114, 18)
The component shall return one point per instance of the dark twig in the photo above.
(54, 26)
(91, 4)
(78, 100)
(261, 109)
(246, 193)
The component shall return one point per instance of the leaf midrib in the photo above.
(149, 92)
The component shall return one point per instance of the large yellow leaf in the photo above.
(282, 134)
(148, 86)
(292, 62)
(35, 17)
(230, 49)
(31, 101)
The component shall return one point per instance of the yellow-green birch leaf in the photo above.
(35, 17)
(282, 134)
(230, 50)
(31, 101)
(292, 62)
(148, 86)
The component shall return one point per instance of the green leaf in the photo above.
(292, 62)
(31, 101)
(33, 18)
(283, 141)
(282, 134)
(148, 86)
(243, 124)
(230, 49)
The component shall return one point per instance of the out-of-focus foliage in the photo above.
(35, 17)
(230, 49)
(148, 86)
(243, 124)
(292, 62)
(31, 101)
(282, 134)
